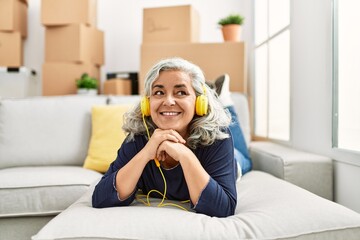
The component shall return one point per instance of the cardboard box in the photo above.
(60, 12)
(133, 76)
(13, 16)
(213, 58)
(74, 43)
(11, 49)
(171, 24)
(117, 86)
(60, 78)
(98, 46)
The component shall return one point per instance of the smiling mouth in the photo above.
(170, 113)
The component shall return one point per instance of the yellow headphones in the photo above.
(201, 105)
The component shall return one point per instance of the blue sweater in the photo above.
(217, 199)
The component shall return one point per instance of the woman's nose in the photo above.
(169, 100)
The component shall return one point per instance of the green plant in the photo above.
(87, 82)
(231, 19)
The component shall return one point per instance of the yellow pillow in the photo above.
(107, 136)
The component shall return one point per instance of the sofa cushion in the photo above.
(106, 136)
(38, 191)
(310, 171)
(268, 208)
(45, 130)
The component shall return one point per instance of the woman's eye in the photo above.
(181, 93)
(158, 93)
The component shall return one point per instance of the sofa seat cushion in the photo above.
(268, 208)
(33, 191)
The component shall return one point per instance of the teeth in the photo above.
(169, 113)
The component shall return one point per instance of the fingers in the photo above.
(170, 135)
(159, 137)
(169, 148)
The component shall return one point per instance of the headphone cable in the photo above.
(161, 204)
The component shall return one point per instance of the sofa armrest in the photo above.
(309, 171)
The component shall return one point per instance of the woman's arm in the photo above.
(219, 197)
(195, 175)
(211, 181)
(117, 187)
(128, 176)
(105, 193)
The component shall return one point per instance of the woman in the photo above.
(196, 153)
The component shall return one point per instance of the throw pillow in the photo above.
(107, 136)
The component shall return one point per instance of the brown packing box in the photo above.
(98, 45)
(13, 16)
(60, 78)
(74, 43)
(213, 58)
(171, 24)
(11, 49)
(60, 12)
(117, 86)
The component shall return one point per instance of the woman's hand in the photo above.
(158, 138)
(174, 149)
(195, 175)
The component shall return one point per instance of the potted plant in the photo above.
(87, 85)
(231, 27)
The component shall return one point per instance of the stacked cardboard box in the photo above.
(171, 24)
(13, 30)
(161, 25)
(174, 32)
(73, 44)
(213, 58)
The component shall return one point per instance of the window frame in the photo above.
(257, 44)
(335, 81)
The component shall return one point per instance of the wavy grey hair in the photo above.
(204, 130)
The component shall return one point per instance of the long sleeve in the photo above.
(105, 194)
(219, 197)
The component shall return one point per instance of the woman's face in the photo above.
(172, 101)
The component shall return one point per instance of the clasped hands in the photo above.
(166, 142)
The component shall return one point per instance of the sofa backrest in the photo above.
(45, 130)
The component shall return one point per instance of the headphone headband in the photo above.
(201, 104)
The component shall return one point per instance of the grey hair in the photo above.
(204, 130)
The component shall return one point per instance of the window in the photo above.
(272, 69)
(346, 77)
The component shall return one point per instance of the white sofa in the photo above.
(43, 144)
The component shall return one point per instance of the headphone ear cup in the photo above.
(201, 106)
(145, 106)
